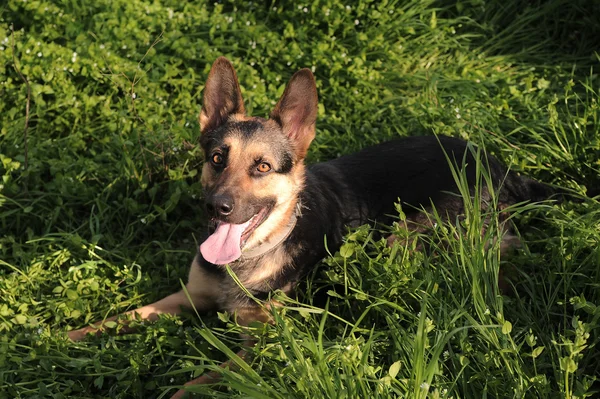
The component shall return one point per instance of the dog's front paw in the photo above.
(80, 334)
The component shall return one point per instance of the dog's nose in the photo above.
(220, 205)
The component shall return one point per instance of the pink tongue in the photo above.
(223, 246)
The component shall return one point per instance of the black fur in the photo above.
(363, 188)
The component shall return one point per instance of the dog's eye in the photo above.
(263, 167)
(217, 159)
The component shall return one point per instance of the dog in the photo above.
(270, 213)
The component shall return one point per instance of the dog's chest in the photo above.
(255, 278)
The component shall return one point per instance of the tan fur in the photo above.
(269, 267)
(203, 288)
(240, 118)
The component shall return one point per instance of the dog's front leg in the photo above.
(244, 317)
(202, 289)
(170, 305)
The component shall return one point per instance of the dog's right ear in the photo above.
(222, 96)
(297, 109)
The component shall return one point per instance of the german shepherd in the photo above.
(270, 213)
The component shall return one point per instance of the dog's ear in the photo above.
(222, 95)
(296, 111)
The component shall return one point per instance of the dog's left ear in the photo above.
(222, 96)
(296, 111)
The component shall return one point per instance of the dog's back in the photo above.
(416, 170)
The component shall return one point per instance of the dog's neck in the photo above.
(273, 241)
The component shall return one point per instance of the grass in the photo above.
(105, 213)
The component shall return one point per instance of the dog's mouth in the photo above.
(226, 241)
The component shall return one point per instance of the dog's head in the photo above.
(254, 167)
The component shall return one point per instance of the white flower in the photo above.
(313, 69)
(305, 9)
(133, 95)
(348, 8)
(1, 48)
(27, 51)
(356, 22)
(143, 220)
(102, 47)
(39, 54)
(124, 47)
(424, 386)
